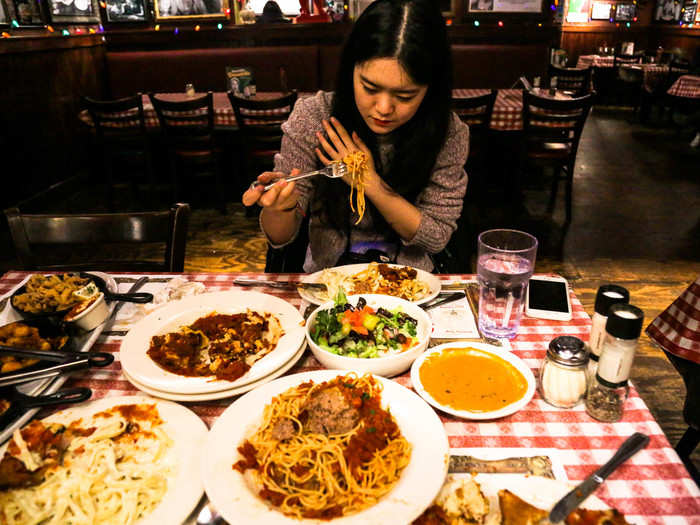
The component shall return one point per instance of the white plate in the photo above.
(136, 362)
(188, 433)
(518, 363)
(535, 490)
(218, 395)
(83, 343)
(419, 483)
(351, 269)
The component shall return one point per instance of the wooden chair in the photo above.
(187, 132)
(551, 134)
(476, 112)
(259, 122)
(120, 134)
(628, 81)
(658, 95)
(40, 239)
(577, 82)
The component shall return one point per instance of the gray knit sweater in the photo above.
(440, 202)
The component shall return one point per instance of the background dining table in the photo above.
(653, 487)
(507, 110)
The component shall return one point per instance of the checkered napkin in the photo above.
(677, 328)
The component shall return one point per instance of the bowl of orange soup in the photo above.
(473, 380)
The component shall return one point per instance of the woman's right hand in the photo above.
(281, 197)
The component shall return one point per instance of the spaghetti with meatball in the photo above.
(325, 450)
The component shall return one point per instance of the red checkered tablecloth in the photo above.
(585, 61)
(506, 112)
(653, 487)
(677, 329)
(687, 86)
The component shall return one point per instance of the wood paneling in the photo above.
(38, 108)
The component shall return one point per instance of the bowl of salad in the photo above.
(379, 334)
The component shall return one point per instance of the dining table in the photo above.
(507, 111)
(653, 487)
(686, 86)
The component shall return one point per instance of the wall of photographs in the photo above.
(36, 13)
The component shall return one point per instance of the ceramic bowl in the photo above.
(387, 366)
(89, 314)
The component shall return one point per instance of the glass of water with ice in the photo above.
(506, 260)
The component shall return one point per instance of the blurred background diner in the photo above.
(584, 119)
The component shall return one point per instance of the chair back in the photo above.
(118, 122)
(554, 121)
(186, 124)
(95, 232)
(260, 120)
(620, 58)
(475, 111)
(576, 81)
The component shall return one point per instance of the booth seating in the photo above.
(129, 72)
(306, 68)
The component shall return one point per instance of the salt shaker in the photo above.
(189, 90)
(563, 377)
(608, 295)
(608, 390)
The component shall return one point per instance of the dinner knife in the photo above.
(280, 284)
(575, 497)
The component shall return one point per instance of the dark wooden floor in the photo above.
(636, 223)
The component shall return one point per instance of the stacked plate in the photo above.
(146, 375)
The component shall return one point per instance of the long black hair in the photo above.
(413, 32)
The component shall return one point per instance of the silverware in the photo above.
(333, 171)
(138, 284)
(575, 497)
(533, 465)
(449, 299)
(287, 285)
(98, 359)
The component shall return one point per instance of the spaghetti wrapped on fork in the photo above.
(357, 163)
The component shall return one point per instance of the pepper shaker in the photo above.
(608, 391)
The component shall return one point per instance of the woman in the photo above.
(392, 102)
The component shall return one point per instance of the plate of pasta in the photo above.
(118, 460)
(325, 446)
(212, 342)
(405, 282)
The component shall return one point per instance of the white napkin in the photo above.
(176, 288)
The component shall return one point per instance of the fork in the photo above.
(332, 171)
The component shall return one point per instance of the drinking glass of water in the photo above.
(506, 260)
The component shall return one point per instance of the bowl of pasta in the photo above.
(372, 333)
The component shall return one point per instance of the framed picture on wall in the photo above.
(190, 9)
(601, 11)
(74, 11)
(578, 11)
(4, 17)
(126, 10)
(27, 12)
(667, 11)
(625, 12)
(688, 13)
(506, 6)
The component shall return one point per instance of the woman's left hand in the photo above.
(340, 143)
